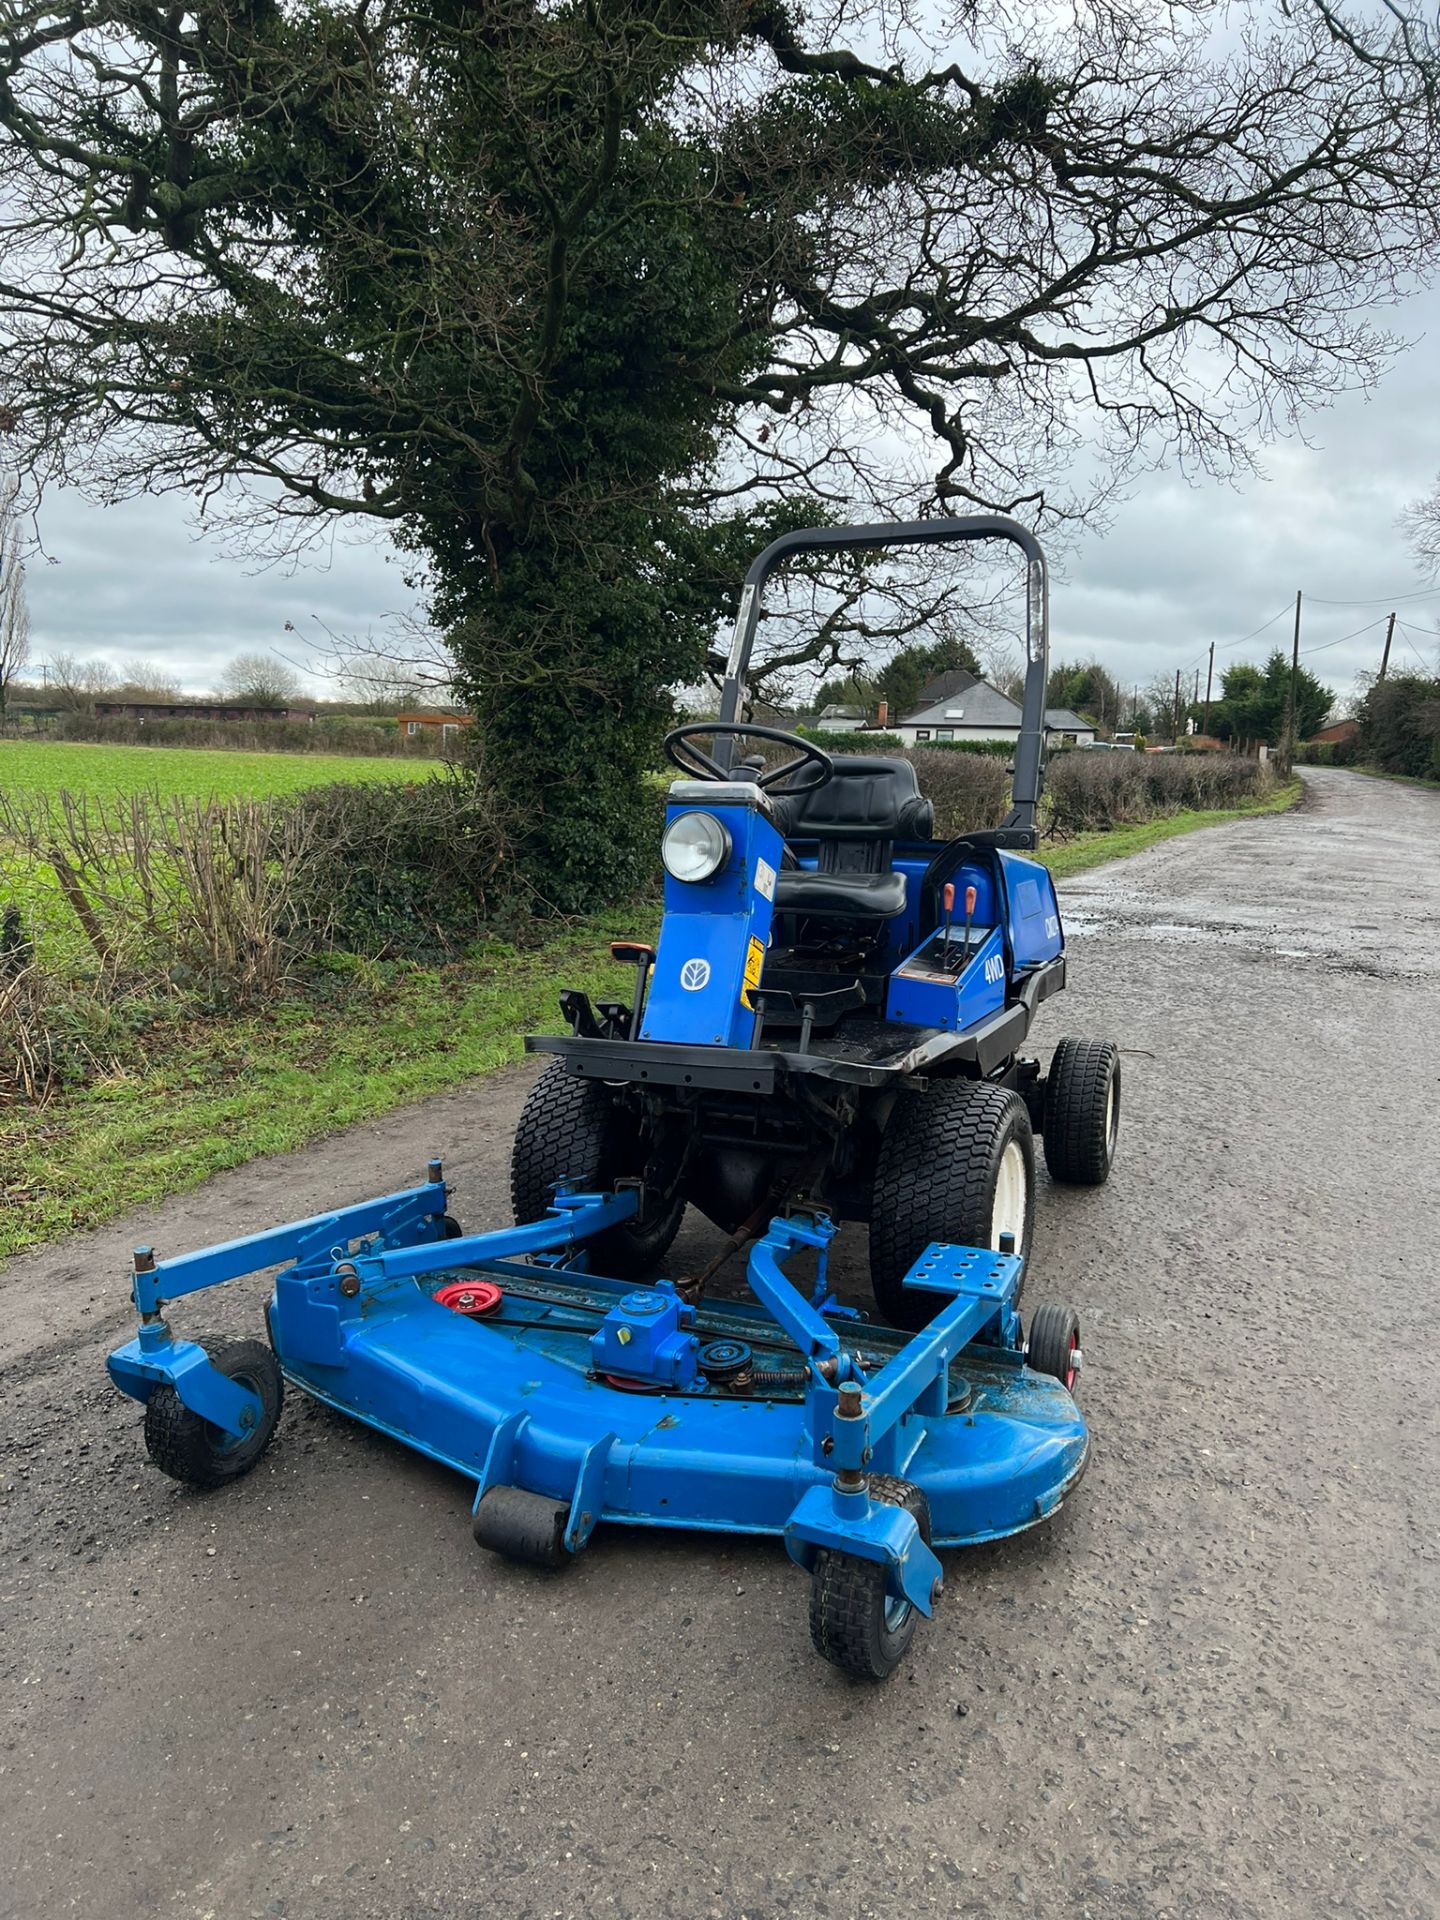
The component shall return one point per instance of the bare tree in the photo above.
(1158, 696)
(14, 607)
(1421, 523)
(78, 684)
(403, 664)
(260, 680)
(145, 680)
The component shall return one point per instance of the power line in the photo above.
(1347, 636)
(1225, 645)
(1380, 600)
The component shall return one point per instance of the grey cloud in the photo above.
(134, 581)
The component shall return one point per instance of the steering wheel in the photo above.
(679, 744)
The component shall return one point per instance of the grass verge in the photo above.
(1400, 779)
(368, 1037)
(214, 1093)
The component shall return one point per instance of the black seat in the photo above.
(857, 817)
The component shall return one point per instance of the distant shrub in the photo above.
(1326, 753)
(1400, 727)
(969, 791)
(1095, 791)
(844, 742)
(410, 870)
(165, 890)
(331, 733)
(993, 749)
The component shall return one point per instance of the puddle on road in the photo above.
(1262, 943)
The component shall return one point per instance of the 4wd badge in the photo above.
(694, 975)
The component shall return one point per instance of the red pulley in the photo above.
(471, 1297)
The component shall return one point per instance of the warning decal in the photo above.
(754, 962)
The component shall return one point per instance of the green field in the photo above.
(192, 773)
(34, 773)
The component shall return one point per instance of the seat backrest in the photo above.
(872, 801)
(871, 797)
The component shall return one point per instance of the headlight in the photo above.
(694, 847)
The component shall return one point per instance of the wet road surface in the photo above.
(1209, 1690)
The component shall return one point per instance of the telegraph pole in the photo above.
(1175, 732)
(1288, 756)
(1389, 636)
(1209, 676)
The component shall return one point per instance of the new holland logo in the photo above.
(694, 975)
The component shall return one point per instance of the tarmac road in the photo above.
(1208, 1690)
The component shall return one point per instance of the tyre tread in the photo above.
(567, 1131)
(847, 1597)
(179, 1441)
(933, 1170)
(1076, 1148)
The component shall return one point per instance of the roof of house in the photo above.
(1337, 730)
(438, 716)
(946, 685)
(835, 711)
(976, 705)
(1062, 720)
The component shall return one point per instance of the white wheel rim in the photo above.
(1110, 1119)
(1012, 1197)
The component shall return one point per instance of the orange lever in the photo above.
(969, 901)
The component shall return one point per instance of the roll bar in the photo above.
(1030, 748)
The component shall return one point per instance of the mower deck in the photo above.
(523, 1405)
(569, 1398)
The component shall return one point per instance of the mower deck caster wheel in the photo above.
(1054, 1344)
(450, 1227)
(854, 1623)
(190, 1449)
(523, 1526)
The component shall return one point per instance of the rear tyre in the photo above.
(572, 1129)
(1054, 1344)
(1082, 1112)
(193, 1451)
(523, 1526)
(956, 1164)
(854, 1624)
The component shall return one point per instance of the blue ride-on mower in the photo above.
(828, 1030)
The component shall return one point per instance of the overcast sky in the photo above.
(1179, 567)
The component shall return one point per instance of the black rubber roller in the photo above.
(523, 1526)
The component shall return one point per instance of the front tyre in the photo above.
(1082, 1112)
(193, 1451)
(956, 1164)
(573, 1129)
(854, 1623)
